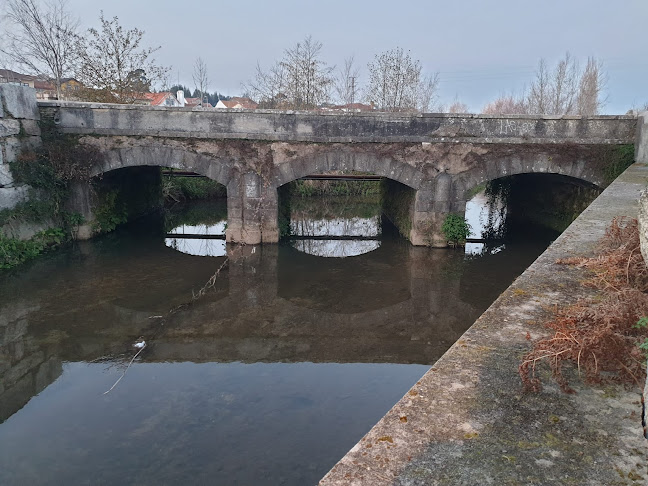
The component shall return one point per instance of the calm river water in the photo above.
(269, 378)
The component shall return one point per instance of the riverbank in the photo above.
(468, 421)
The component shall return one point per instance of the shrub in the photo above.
(456, 229)
(14, 252)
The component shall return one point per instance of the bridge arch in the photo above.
(465, 182)
(347, 160)
(160, 155)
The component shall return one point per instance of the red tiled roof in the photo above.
(238, 102)
(156, 99)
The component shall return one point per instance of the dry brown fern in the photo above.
(600, 335)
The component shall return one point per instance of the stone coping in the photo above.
(114, 106)
(322, 127)
(468, 421)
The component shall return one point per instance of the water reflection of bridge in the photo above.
(272, 304)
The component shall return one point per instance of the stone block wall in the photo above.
(643, 223)
(19, 129)
(641, 157)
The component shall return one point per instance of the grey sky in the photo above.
(481, 48)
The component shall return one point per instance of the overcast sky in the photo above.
(481, 48)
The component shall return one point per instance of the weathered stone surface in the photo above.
(12, 148)
(641, 142)
(19, 101)
(468, 421)
(86, 118)
(11, 196)
(643, 223)
(9, 127)
(31, 127)
(24, 230)
(6, 179)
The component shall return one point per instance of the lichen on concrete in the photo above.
(468, 420)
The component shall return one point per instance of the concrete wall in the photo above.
(641, 156)
(289, 126)
(19, 129)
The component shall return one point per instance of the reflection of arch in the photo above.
(165, 285)
(504, 166)
(348, 160)
(336, 248)
(320, 283)
(220, 170)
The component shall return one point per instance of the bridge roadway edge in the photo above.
(468, 421)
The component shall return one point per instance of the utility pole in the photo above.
(352, 89)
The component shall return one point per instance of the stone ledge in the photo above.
(19, 101)
(467, 420)
(111, 106)
(643, 223)
(12, 196)
(106, 119)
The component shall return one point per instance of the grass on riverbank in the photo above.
(178, 189)
(14, 252)
(600, 335)
(313, 188)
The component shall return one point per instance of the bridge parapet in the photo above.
(325, 127)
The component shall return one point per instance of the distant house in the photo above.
(195, 102)
(237, 102)
(164, 98)
(12, 77)
(70, 88)
(45, 88)
(349, 108)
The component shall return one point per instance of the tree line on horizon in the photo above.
(302, 80)
(113, 66)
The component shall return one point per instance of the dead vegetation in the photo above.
(600, 335)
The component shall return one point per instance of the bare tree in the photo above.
(201, 78)
(308, 79)
(299, 80)
(266, 87)
(458, 107)
(395, 82)
(563, 90)
(346, 82)
(506, 105)
(112, 65)
(41, 39)
(590, 88)
(538, 98)
(426, 95)
(564, 86)
(556, 92)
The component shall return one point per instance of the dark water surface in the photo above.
(270, 378)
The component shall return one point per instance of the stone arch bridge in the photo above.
(439, 157)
